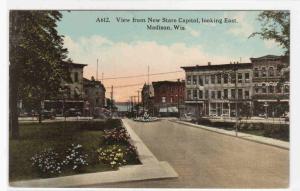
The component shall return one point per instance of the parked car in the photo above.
(48, 114)
(72, 112)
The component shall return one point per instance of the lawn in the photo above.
(35, 137)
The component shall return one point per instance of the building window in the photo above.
(232, 93)
(278, 88)
(195, 94)
(225, 94)
(206, 80)
(76, 76)
(263, 72)
(240, 93)
(225, 78)
(247, 95)
(240, 77)
(163, 99)
(247, 77)
(256, 72)
(188, 80)
(219, 78)
(213, 95)
(213, 109)
(233, 78)
(286, 89)
(271, 89)
(189, 94)
(200, 94)
(194, 80)
(219, 94)
(206, 94)
(271, 71)
(171, 99)
(264, 88)
(256, 88)
(200, 79)
(212, 79)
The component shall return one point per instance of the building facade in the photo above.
(74, 87)
(231, 89)
(94, 96)
(70, 101)
(168, 96)
(216, 90)
(270, 85)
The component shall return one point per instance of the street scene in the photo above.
(149, 99)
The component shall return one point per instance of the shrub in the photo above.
(116, 136)
(116, 155)
(75, 158)
(50, 162)
(277, 131)
(47, 162)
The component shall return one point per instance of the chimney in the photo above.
(209, 63)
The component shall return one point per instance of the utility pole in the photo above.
(111, 100)
(97, 71)
(236, 99)
(148, 74)
(138, 101)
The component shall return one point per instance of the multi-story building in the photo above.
(71, 96)
(270, 85)
(216, 90)
(74, 87)
(235, 88)
(168, 96)
(94, 96)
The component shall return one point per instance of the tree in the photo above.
(275, 25)
(35, 55)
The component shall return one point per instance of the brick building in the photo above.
(270, 85)
(168, 96)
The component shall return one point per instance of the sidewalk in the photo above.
(150, 168)
(258, 139)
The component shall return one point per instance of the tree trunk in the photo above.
(13, 107)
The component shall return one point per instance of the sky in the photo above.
(127, 49)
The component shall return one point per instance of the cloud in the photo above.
(133, 58)
(193, 32)
(270, 44)
(244, 28)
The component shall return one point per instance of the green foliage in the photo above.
(35, 55)
(36, 52)
(35, 137)
(117, 155)
(275, 25)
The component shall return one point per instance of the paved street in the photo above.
(205, 159)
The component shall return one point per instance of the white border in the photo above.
(293, 6)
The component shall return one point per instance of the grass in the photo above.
(36, 137)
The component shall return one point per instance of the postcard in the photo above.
(149, 98)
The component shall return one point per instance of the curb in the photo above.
(150, 169)
(245, 136)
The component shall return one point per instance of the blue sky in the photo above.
(128, 48)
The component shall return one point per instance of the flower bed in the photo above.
(53, 149)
